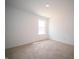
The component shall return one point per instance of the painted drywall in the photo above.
(61, 30)
(61, 23)
(21, 27)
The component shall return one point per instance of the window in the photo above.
(41, 26)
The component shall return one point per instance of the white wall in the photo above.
(21, 27)
(61, 24)
(61, 30)
(61, 27)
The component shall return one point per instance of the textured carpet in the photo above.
(47, 49)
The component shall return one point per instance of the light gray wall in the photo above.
(21, 27)
(62, 30)
(61, 27)
(61, 24)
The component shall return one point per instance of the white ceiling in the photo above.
(38, 6)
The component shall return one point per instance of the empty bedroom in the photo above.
(39, 29)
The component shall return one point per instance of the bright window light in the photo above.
(41, 26)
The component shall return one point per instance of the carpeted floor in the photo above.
(47, 49)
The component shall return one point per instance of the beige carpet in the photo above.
(47, 49)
